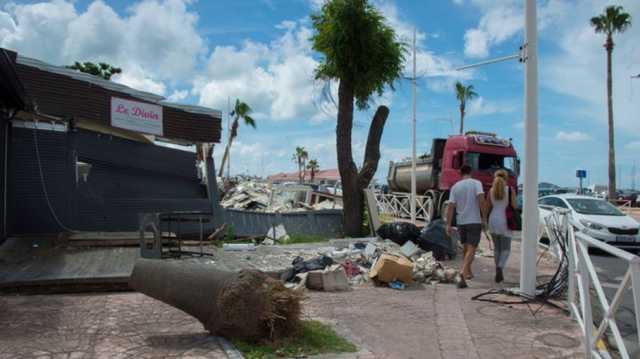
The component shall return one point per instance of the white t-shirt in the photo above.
(465, 196)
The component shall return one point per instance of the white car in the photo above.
(595, 217)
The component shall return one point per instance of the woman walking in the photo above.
(500, 197)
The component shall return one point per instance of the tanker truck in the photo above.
(438, 171)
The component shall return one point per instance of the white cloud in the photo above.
(155, 42)
(575, 136)
(480, 107)
(578, 68)
(575, 65)
(428, 64)
(276, 79)
(136, 78)
(501, 20)
(178, 96)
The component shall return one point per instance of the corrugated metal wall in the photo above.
(28, 208)
(126, 178)
(326, 223)
(3, 136)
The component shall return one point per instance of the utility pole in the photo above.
(229, 139)
(528, 269)
(413, 136)
(633, 176)
(528, 55)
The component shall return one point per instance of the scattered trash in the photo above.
(434, 238)
(397, 285)
(332, 279)
(238, 247)
(399, 232)
(264, 197)
(409, 249)
(351, 269)
(302, 266)
(277, 233)
(370, 250)
(268, 242)
(390, 268)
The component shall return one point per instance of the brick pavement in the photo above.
(127, 325)
(432, 321)
(443, 322)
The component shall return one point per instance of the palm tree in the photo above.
(300, 157)
(613, 20)
(313, 167)
(241, 111)
(361, 51)
(463, 94)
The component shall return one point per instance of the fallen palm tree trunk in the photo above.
(246, 305)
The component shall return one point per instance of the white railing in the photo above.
(398, 205)
(583, 277)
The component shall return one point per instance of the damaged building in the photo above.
(83, 154)
(80, 153)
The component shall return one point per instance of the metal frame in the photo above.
(399, 205)
(583, 277)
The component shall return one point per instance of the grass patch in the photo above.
(304, 238)
(313, 338)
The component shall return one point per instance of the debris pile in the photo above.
(381, 262)
(262, 197)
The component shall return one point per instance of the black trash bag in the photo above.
(399, 232)
(434, 238)
(302, 266)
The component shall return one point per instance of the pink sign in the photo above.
(136, 116)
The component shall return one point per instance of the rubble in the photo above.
(367, 262)
(263, 197)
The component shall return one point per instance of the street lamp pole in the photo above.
(530, 214)
(413, 137)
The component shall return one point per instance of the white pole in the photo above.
(413, 137)
(229, 140)
(530, 215)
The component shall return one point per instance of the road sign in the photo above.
(581, 173)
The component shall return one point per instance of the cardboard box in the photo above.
(389, 268)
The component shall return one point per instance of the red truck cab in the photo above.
(484, 152)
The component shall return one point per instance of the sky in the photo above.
(211, 52)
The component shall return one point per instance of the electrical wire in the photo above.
(554, 288)
(42, 181)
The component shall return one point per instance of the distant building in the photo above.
(331, 177)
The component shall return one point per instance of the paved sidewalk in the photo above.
(428, 322)
(128, 325)
(442, 321)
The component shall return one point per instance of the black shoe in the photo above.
(499, 277)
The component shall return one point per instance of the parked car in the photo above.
(595, 217)
(628, 196)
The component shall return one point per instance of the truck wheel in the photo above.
(442, 205)
(430, 206)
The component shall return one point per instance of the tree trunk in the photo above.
(461, 119)
(224, 158)
(612, 149)
(352, 197)
(353, 183)
(232, 136)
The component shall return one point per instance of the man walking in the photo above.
(467, 200)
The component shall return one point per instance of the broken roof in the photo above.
(67, 93)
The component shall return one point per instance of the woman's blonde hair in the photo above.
(499, 183)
